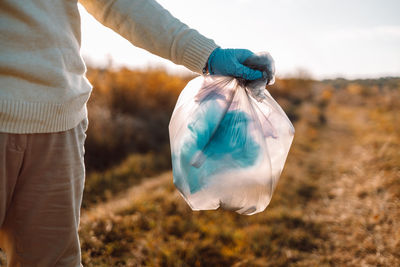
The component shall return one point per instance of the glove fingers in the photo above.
(248, 74)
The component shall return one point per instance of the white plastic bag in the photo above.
(228, 149)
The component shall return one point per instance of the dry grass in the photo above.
(336, 204)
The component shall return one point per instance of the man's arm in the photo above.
(147, 25)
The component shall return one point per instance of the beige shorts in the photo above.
(41, 186)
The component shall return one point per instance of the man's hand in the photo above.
(229, 62)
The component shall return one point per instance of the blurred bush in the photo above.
(129, 112)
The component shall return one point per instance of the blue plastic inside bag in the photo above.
(216, 145)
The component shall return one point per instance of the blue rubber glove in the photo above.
(229, 62)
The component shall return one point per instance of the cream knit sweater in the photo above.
(42, 75)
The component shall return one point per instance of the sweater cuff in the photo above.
(197, 53)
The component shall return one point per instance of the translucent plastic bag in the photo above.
(229, 142)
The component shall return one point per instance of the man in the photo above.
(43, 117)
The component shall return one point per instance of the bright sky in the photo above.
(328, 38)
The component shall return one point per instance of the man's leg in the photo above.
(11, 157)
(41, 221)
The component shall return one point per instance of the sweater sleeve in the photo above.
(147, 25)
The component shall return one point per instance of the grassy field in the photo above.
(337, 202)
